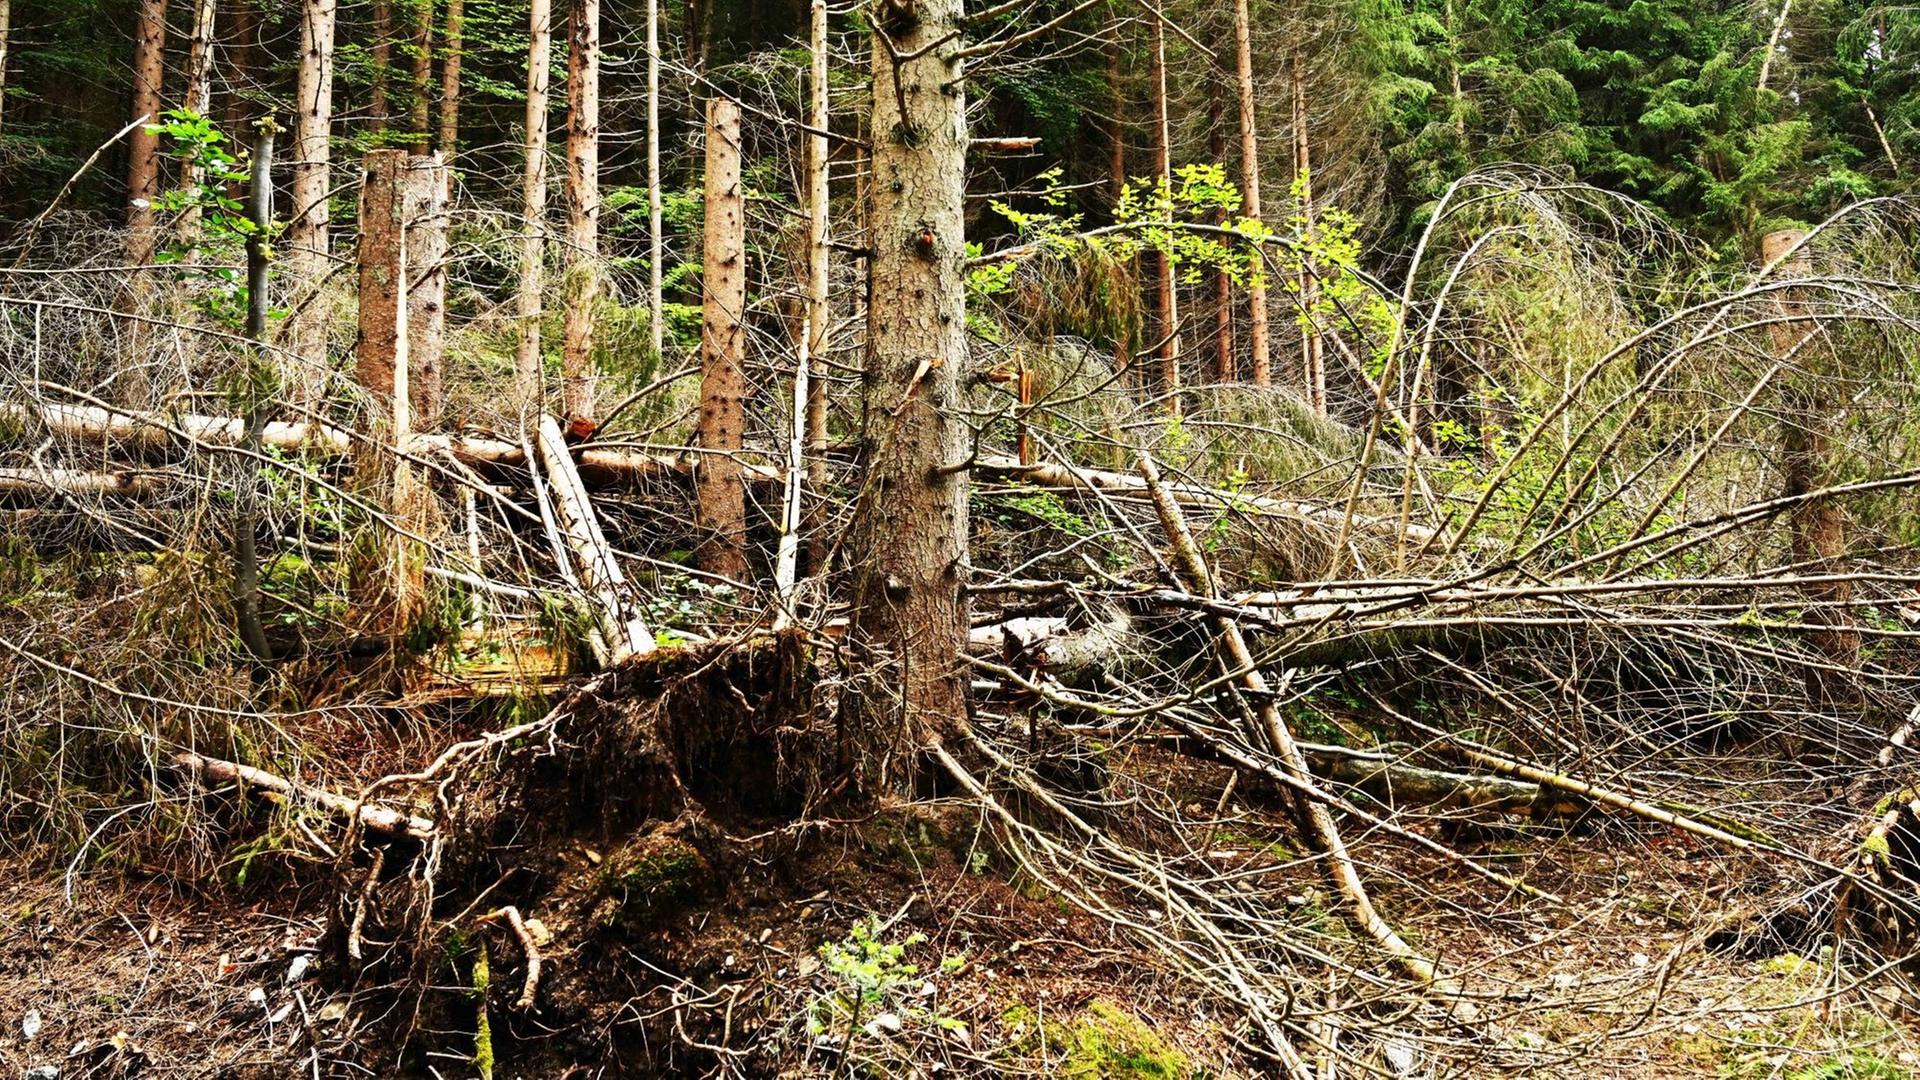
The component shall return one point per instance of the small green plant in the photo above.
(874, 976)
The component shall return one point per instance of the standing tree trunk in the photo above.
(6, 27)
(199, 99)
(819, 313)
(420, 116)
(1225, 367)
(533, 201)
(909, 615)
(246, 559)
(656, 243)
(452, 45)
(1117, 178)
(1166, 303)
(583, 207)
(242, 46)
(1258, 338)
(423, 204)
(378, 103)
(722, 511)
(313, 159)
(143, 146)
(386, 593)
(1312, 356)
(1818, 527)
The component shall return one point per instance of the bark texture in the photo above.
(583, 207)
(910, 607)
(722, 506)
(419, 117)
(533, 200)
(453, 43)
(1166, 302)
(312, 160)
(378, 103)
(1259, 340)
(424, 209)
(143, 145)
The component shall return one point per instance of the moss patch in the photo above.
(1101, 1042)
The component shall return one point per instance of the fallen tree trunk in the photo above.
(612, 467)
(378, 818)
(624, 630)
(43, 482)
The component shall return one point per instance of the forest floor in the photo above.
(110, 976)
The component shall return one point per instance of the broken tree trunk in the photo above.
(623, 630)
(721, 508)
(423, 203)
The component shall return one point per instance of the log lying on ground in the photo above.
(377, 818)
(1053, 645)
(43, 482)
(612, 467)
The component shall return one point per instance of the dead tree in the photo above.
(424, 205)
(453, 42)
(1312, 348)
(197, 98)
(1817, 527)
(419, 116)
(312, 187)
(143, 145)
(1166, 302)
(722, 507)
(381, 53)
(387, 592)
(6, 27)
(1258, 339)
(583, 207)
(533, 201)
(910, 529)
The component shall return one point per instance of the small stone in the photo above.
(298, 969)
(257, 996)
(885, 1023)
(42, 1072)
(31, 1024)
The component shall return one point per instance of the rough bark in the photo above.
(312, 162)
(199, 98)
(380, 351)
(424, 209)
(453, 43)
(1166, 303)
(1117, 173)
(1312, 351)
(533, 200)
(1259, 341)
(1225, 364)
(583, 207)
(419, 117)
(819, 313)
(656, 241)
(242, 48)
(722, 505)
(379, 105)
(6, 28)
(909, 598)
(143, 145)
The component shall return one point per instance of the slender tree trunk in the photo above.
(143, 146)
(533, 200)
(198, 98)
(1117, 176)
(312, 186)
(379, 103)
(909, 613)
(1312, 352)
(1259, 340)
(242, 47)
(6, 28)
(452, 47)
(656, 242)
(246, 575)
(420, 117)
(722, 510)
(1818, 528)
(1166, 303)
(583, 207)
(1225, 366)
(819, 313)
(424, 206)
